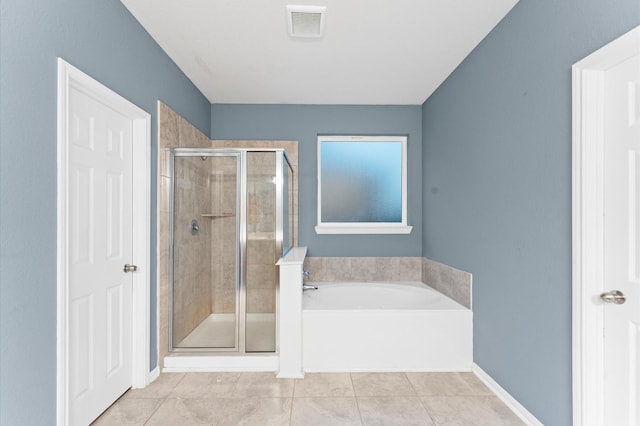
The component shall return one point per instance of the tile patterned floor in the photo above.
(260, 399)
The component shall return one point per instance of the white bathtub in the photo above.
(396, 326)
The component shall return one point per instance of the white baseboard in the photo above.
(510, 401)
(150, 377)
(154, 374)
(188, 363)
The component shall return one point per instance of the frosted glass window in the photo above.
(361, 184)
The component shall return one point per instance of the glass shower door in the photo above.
(262, 252)
(204, 251)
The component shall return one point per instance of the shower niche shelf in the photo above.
(216, 216)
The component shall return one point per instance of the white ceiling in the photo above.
(374, 52)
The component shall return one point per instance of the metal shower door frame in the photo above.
(241, 236)
(206, 152)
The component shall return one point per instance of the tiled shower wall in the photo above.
(261, 236)
(223, 234)
(447, 280)
(176, 132)
(192, 277)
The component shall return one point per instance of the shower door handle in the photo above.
(129, 268)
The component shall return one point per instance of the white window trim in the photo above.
(364, 227)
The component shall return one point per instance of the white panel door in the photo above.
(100, 244)
(622, 243)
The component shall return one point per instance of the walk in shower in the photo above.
(231, 220)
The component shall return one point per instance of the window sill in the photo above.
(351, 229)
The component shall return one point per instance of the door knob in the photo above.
(129, 268)
(614, 296)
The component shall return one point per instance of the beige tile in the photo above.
(461, 293)
(247, 144)
(406, 411)
(441, 384)
(164, 343)
(228, 301)
(470, 411)
(295, 209)
(248, 399)
(202, 140)
(387, 268)
(254, 411)
(205, 385)
(363, 269)
(433, 276)
(291, 147)
(325, 411)
(313, 265)
(160, 388)
(164, 195)
(168, 127)
(189, 136)
(337, 269)
(382, 384)
(163, 281)
(424, 270)
(261, 252)
(175, 411)
(460, 285)
(410, 269)
(320, 271)
(128, 412)
(261, 300)
(324, 384)
(475, 384)
(261, 276)
(450, 281)
(263, 385)
(164, 162)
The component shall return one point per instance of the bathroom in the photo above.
(436, 338)
(490, 179)
(190, 189)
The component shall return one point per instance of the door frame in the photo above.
(588, 225)
(68, 77)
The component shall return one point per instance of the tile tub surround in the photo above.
(176, 132)
(367, 269)
(318, 399)
(452, 282)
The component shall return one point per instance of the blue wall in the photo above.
(303, 123)
(105, 41)
(497, 189)
(490, 184)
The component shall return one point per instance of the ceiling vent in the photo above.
(306, 21)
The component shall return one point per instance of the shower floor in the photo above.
(219, 331)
